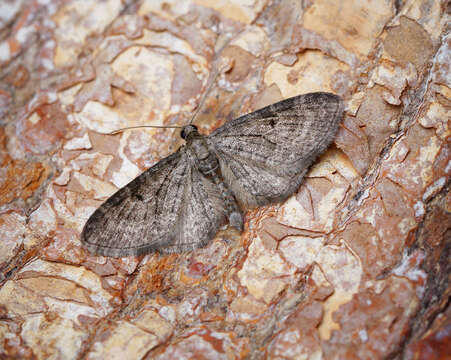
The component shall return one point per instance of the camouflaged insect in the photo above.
(180, 203)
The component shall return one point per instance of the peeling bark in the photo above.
(354, 265)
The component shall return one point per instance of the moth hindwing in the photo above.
(180, 203)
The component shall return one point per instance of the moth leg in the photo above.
(234, 214)
(236, 220)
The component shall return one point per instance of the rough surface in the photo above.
(354, 265)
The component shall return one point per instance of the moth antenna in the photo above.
(144, 126)
(225, 66)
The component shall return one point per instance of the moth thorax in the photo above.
(199, 148)
(206, 162)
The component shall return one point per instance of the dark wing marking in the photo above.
(170, 208)
(265, 154)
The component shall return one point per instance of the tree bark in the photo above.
(355, 265)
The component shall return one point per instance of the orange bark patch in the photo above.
(18, 179)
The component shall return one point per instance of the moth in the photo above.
(180, 203)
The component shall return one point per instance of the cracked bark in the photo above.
(354, 265)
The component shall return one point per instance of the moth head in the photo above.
(187, 130)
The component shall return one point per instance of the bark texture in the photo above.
(355, 265)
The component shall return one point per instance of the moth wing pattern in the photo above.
(264, 155)
(171, 207)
